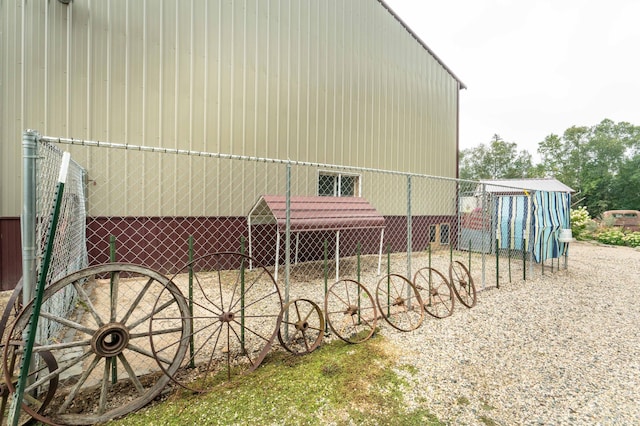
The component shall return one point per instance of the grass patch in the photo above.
(338, 383)
(463, 400)
(488, 421)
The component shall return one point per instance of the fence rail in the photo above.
(158, 206)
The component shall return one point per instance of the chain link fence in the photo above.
(193, 254)
(160, 207)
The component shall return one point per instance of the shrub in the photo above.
(581, 223)
(632, 239)
(612, 236)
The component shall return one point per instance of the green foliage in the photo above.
(613, 237)
(601, 163)
(632, 239)
(498, 160)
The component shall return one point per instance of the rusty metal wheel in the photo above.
(399, 302)
(302, 326)
(11, 311)
(235, 319)
(462, 284)
(34, 404)
(95, 322)
(351, 311)
(438, 298)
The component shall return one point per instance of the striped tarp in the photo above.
(534, 220)
(551, 213)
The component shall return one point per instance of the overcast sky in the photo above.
(533, 68)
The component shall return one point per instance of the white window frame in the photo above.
(337, 186)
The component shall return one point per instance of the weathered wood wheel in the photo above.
(302, 327)
(235, 319)
(462, 284)
(438, 298)
(351, 311)
(33, 405)
(399, 302)
(95, 322)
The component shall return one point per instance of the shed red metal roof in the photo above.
(317, 213)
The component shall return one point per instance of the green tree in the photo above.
(498, 160)
(594, 161)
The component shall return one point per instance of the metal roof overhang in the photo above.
(315, 214)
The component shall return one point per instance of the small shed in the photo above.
(521, 212)
(315, 213)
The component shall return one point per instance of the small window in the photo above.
(432, 233)
(444, 233)
(338, 185)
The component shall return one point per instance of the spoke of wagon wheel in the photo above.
(146, 353)
(137, 300)
(68, 323)
(144, 319)
(81, 381)
(57, 372)
(84, 297)
(131, 373)
(102, 404)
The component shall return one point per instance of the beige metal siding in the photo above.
(328, 81)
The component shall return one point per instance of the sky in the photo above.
(533, 68)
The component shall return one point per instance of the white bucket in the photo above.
(565, 236)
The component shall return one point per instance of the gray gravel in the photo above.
(561, 349)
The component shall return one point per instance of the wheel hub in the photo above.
(227, 317)
(351, 310)
(302, 325)
(110, 340)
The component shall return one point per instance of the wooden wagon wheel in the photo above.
(235, 319)
(462, 284)
(302, 327)
(438, 297)
(399, 302)
(351, 311)
(95, 323)
(33, 405)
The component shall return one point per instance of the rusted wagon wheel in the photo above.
(33, 405)
(95, 322)
(351, 311)
(399, 302)
(235, 319)
(462, 284)
(11, 311)
(438, 298)
(302, 327)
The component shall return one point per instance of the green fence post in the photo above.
(388, 280)
(192, 363)
(25, 365)
(509, 257)
(358, 273)
(112, 258)
(469, 257)
(242, 297)
(497, 266)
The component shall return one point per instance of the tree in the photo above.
(591, 160)
(498, 160)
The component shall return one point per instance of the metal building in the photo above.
(330, 81)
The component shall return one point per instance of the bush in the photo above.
(632, 239)
(581, 223)
(611, 236)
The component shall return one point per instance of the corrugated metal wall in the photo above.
(328, 81)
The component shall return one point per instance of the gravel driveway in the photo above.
(561, 349)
